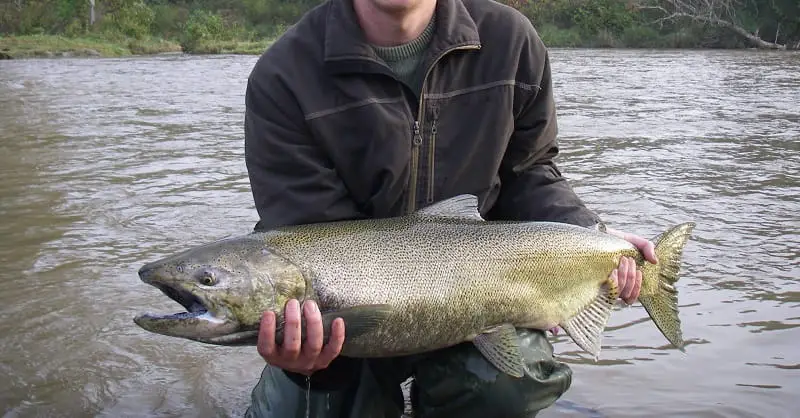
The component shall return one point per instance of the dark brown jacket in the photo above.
(331, 134)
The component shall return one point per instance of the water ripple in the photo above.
(109, 163)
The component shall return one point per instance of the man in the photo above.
(375, 108)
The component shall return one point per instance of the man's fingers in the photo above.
(625, 277)
(637, 287)
(313, 342)
(334, 346)
(614, 276)
(295, 353)
(649, 252)
(631, 280)
(290, 348)
(644, 245)
(266, 335)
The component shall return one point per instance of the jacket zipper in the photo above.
(431, 151)
(412, 195)
(417, 141)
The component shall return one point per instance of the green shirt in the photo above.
(405, 59)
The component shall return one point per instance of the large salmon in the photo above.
(440, 276)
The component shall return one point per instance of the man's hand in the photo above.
(626, 275)
(290, 355)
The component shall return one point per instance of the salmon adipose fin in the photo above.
(586, 328)
(658, 294)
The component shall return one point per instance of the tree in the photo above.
(722, 13)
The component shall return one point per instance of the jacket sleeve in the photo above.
(291, 179)
(532, 187)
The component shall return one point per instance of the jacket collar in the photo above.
(347, 50)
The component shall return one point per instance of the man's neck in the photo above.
(393, 27)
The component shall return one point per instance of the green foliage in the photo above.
(275, 12)
(168, 21)
(39, 17)
(204, 28)
(204, 25)
(211, 26)
(133, 19)
(553, 35)
(611, 17)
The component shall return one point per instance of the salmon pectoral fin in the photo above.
(586, 327)
(500, 346)
(358, 320)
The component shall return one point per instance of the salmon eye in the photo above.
(207, 278)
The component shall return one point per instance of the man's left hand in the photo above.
(626, 275)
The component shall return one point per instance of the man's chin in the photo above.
(397, 7)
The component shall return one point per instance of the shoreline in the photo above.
(58, 46)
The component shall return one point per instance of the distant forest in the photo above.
(773, 24)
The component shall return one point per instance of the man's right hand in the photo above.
(290, 355)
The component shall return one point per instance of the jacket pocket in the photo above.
(369, 145)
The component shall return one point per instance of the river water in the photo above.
(108, 163)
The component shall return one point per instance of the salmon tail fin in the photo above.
(658, 294)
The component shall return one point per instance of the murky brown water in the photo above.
(107, 164)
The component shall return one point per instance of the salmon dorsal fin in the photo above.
(462, 207)
(587, 326)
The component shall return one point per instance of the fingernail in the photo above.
(293, 304)
(313, 306)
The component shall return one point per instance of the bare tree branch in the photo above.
(720, 13)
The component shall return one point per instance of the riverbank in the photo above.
(46, 46)
(36, 28)
(50, 46)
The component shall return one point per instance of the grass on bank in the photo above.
(45, 46)
(231, 47)
(30, 46)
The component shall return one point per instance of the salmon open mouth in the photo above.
(193, 305)
(196, 313)
(197, 323)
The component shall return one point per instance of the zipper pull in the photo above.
(417, 136)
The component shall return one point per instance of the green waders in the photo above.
(454, 382)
